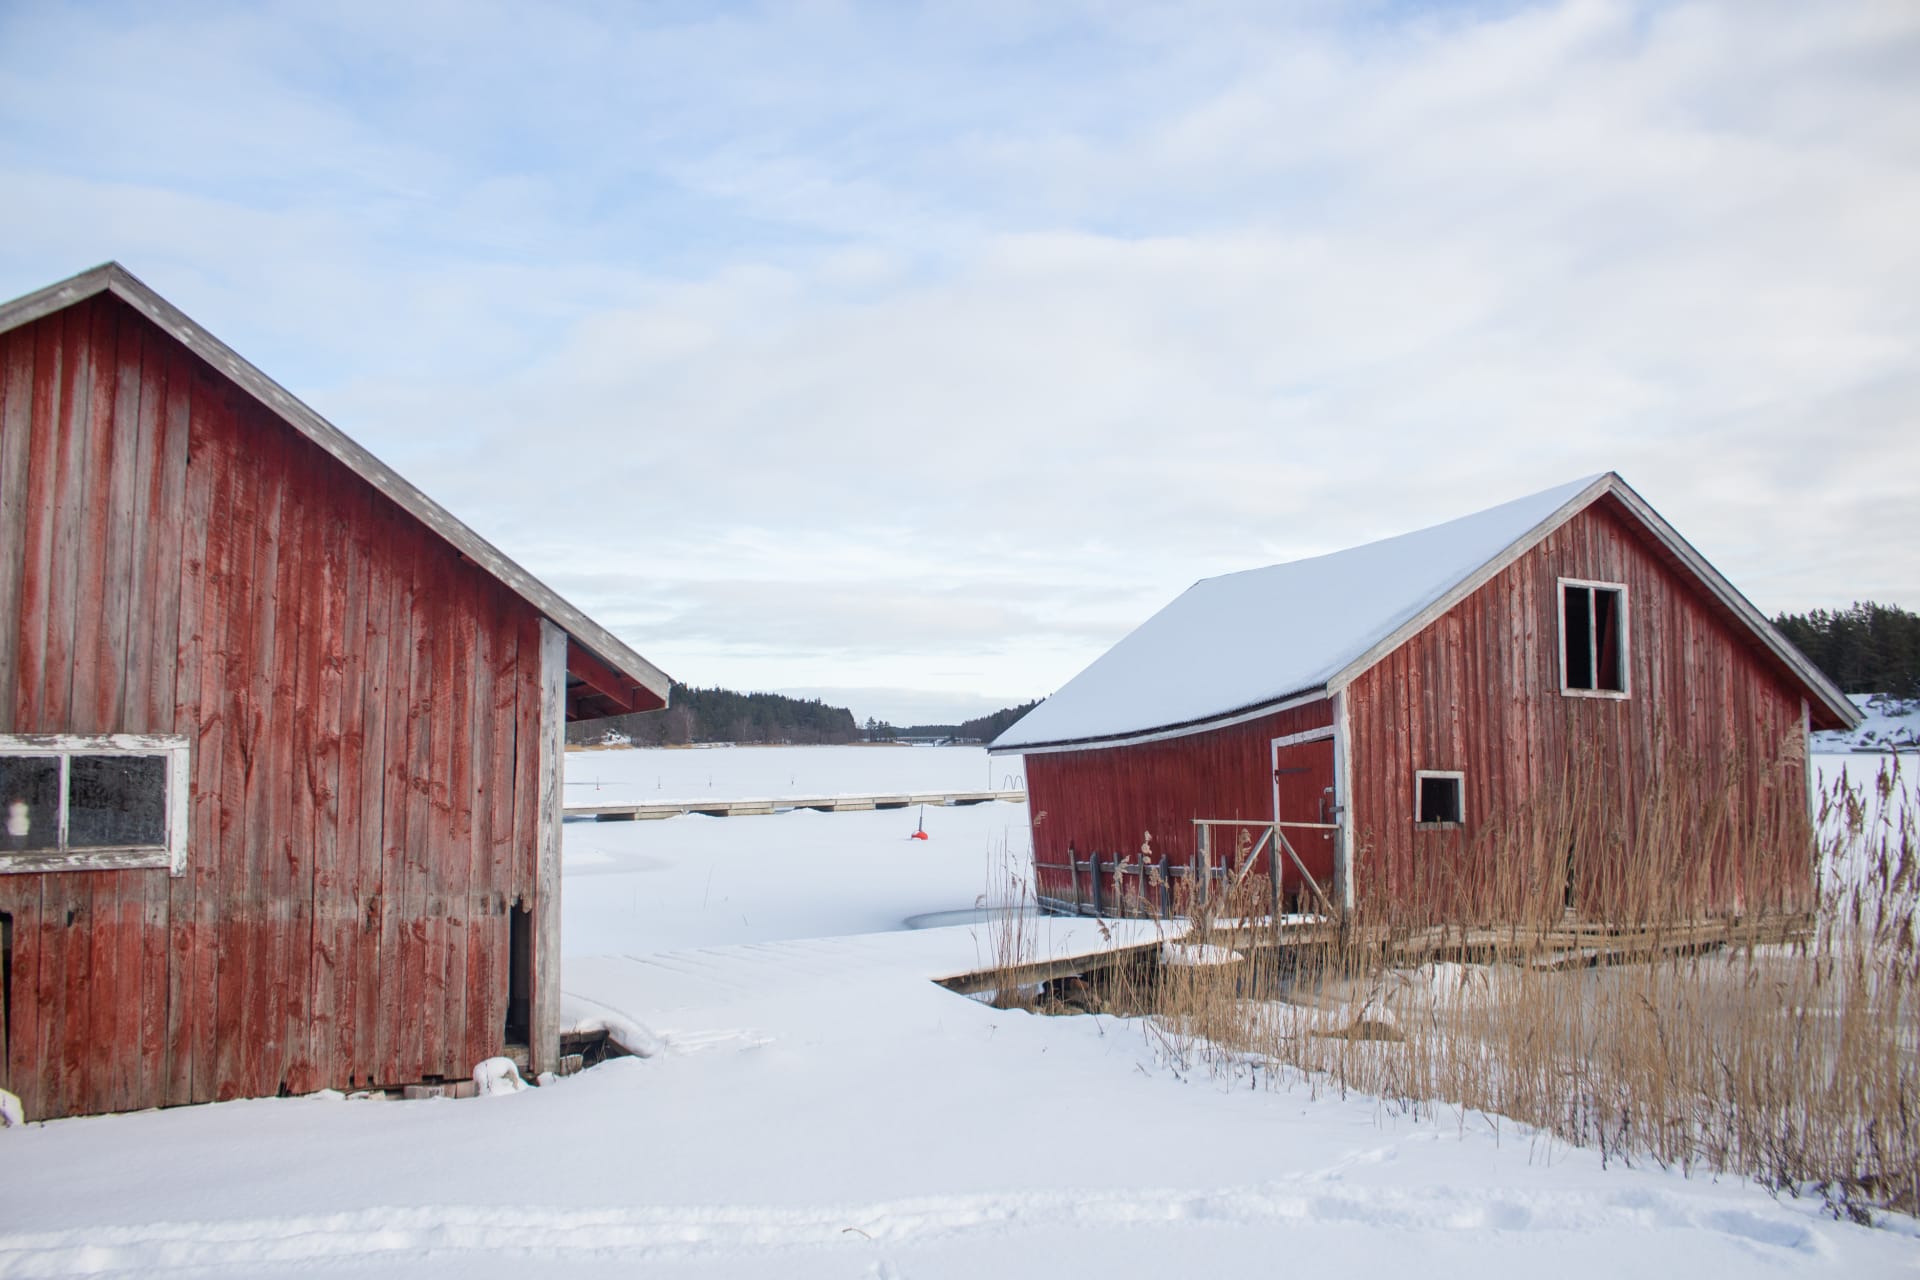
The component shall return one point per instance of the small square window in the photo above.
(1439, 798)
(92, 803)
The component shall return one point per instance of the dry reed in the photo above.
(1710, 988)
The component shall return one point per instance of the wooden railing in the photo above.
(1208, 876)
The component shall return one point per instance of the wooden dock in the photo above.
(785, 804)
(1031, 972)
(1574, 944)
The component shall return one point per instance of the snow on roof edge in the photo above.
(1390, 582)
(1396, 625)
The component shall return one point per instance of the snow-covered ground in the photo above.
(695, 881)
(814, 1106)
(1890, 724)
(1860, 768)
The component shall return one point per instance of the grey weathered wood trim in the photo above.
(1343, 847)
(1742, 608)
(91, 860)
(113, 278)
(95, 743)
(1324, 732)
(1722, 590)
(544, 1049)
(177, 750)
(1468, 585)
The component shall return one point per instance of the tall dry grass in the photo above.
(1684, 840)
(1757, 1013)
(1011, 941)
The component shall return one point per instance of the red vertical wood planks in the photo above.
(360, 703)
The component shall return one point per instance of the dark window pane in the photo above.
(1440, 800)
(116, 801)
(1577, 637)
(29, 803)
(1607, 617)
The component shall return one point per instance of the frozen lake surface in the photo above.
(660, 774)
(694, 881)
(697, 881)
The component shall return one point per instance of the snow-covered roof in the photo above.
(1240, 643)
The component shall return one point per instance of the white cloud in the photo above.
(833, 348)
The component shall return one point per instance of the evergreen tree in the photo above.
(721, 715)
(1868, 648)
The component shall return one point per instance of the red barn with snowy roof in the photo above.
(280, 739)
(1386, 705)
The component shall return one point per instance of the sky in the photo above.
(910, 355)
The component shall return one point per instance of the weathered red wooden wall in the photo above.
(1710, 720)
(363, 707)
(1106, 800)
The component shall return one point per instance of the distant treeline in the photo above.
(1869, 648)
(983, 729)
(721, 715)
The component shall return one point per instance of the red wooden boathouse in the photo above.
(1384, 705)
(280, 739)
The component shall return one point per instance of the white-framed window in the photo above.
(1439, 798)
(93, 803)
(1593, 639)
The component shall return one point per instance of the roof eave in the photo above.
(111, 277)
(1815, 681)
(1810, 676)
(1471, 583)
(1181, 729)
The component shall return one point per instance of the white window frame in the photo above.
(172, 855)
(1459, 777)
(1625, 690)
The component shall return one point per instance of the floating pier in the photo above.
(784, 804)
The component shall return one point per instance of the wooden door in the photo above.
(1303, 792)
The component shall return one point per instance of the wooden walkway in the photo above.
(783, 804)
(1572, 945)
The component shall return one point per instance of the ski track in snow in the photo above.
(718, 1232)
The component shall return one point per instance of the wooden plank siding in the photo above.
(1711, 726)
(365, 712)
(1107, 800)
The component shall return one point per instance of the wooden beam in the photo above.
(584, 703)
(625, 693)
(544, 1040)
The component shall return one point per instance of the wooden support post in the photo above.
(1073, 874)
(1342, 804)
(1204, 883)
(1305, 874)
(1273, 872)
(544, 1038)
(1093, 868)
(1166, 888)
